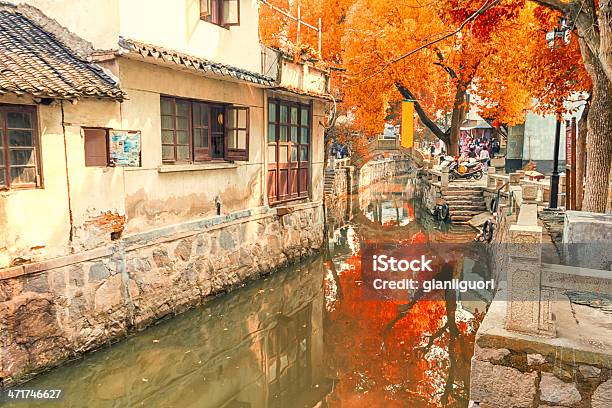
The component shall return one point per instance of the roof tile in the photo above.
(34, 62)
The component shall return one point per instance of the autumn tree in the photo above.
(591, 21)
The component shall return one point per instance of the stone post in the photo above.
(515, 179)
(530, 192)
(491, 179)
(525, 310)
(444, 178)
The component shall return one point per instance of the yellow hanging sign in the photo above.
(407, 127)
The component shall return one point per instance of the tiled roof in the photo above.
(198, 64)
(35, 62)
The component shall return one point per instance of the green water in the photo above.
(301, 337)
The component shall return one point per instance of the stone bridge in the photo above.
(380, 148)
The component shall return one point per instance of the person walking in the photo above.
(485, 157)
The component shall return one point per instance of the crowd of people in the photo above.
(480, 148)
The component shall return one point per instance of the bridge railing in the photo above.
(534, 286)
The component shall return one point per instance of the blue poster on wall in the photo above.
(125, 147)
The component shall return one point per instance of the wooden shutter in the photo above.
(96, 147)
(205, 9)
(237, 133)
(201, 131)
(231, 12)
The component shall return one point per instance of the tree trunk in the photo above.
(599, 137)
(581, 154)
(457, 119)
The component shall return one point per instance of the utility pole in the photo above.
(554, 179)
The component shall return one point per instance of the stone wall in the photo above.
(53, 311)
(514, 370)
(379, 170)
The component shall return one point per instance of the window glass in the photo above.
(200, 114)
(194, 131)
(182, 123)
(21, 156)
(182, 152)
(242, 139)
(200, 137)
(272, 153)
(294, 115)
(20, 138)
(23, 175)
(18, 154)
(167, 152)
(283, 133)
(294, 153)
(167, 136)
(285, 183)
(167, 122)
(242, 118)
(283, 114)
(182, 108)
(272, 112)
(182, 137)
(271, 133)
(167, 106)
(304, 139)
(19, 120)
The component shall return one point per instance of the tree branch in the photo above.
(431, 125)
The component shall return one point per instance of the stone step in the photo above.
(468, 193)
(455, 203)
(462, 188)
(463, 212)
(455, 217)
(477, 208)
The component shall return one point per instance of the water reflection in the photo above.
(390, 353)
(304, 336)
(261, 346)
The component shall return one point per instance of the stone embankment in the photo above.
(56, 310)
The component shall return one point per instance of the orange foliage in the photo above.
(501, 56)
(395, 368)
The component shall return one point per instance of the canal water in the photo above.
(302, 337)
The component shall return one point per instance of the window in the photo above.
(96, 147)
(225, 13)
(19, 156)
(288, 150)
(195, 131)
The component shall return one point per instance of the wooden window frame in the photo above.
(288, 174)
(107, 132)
(198, 155)
(212, 11)
(236, 154)
(5, 147)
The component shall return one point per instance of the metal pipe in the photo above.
(298, 23)
(286, 14)
(320, 36)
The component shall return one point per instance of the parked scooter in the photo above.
(466, 170)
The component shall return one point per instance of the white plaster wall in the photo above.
(539, 140)
(35, 223)
(96, 21)
(176, 24)
(155, 199)
(173, 24)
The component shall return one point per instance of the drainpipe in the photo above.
(70, 235)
